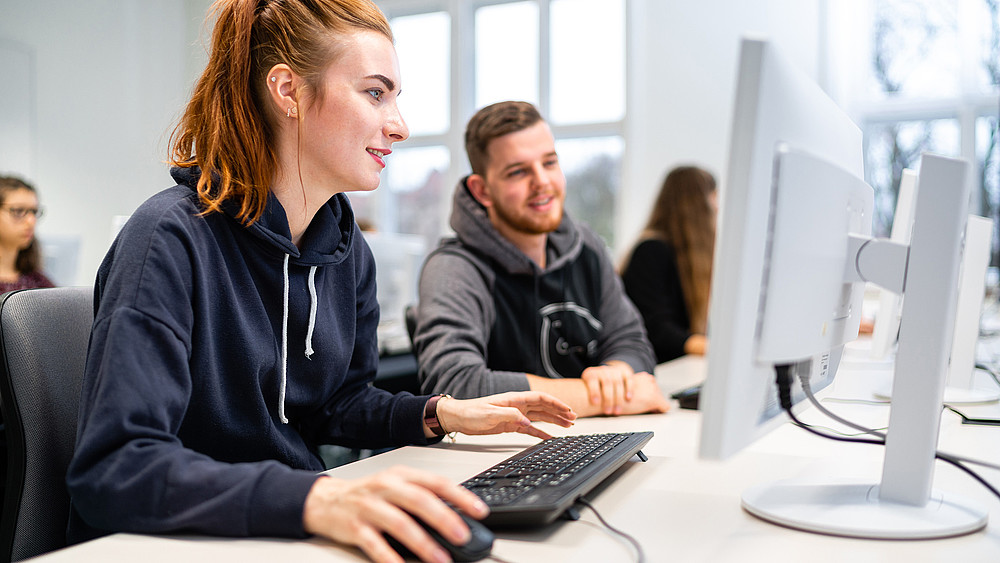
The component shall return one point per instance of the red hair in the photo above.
(227, 125)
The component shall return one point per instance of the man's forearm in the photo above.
(573, 392)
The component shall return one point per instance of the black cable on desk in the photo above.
(635, 543)
(783, 380)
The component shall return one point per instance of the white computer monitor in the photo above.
(60, 258)
(775, 104)
(794, 186)
(962, 386)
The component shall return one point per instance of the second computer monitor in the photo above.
(793, 252)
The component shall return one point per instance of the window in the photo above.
(413, 182)
(897, 145)
(931, 82)
(507, 69)
(565, 56)
(588, 61)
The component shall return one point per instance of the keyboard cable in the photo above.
(641, 555)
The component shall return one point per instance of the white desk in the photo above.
(679, 507)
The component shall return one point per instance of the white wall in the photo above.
(682, 71)
(110, 78)
(113, 75)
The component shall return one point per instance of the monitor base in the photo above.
(855, 510)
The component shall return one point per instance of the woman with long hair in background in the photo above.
(669, 272)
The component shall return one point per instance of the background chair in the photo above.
(43, 347)
(410, 318)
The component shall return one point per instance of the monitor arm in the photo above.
(877, 260)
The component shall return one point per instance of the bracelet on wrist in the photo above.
(431, 417)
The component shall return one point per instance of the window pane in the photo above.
(423, 43)
(988, 158)
(915, 46)
(893, 147)
(588, 61)
(410, 192)
(415, 179)
(987, 16)
(592, 167)
(507, 53)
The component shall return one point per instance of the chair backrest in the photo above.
(410, 319)
(44, 335)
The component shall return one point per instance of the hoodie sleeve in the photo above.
(454, 319)
(130, 471)
(623, 336)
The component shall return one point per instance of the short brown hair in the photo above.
(226, 127)
(494, 121)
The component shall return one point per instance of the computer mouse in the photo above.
(688, 398)
(479, 546)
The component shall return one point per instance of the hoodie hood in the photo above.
(326, 241)
(472, 227)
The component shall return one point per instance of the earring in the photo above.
(291, 110)
(274, 79)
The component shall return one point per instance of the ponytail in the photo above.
(226, 127)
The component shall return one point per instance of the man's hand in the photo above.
(609, 385)
(646, 395)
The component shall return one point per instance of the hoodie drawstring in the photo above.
(284, 332)
(312, 312)
(284, 344)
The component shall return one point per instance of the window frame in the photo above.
(966, 107)
(463, 82)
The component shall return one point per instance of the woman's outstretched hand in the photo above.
(506, 412)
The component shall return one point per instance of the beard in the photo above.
(531, 224)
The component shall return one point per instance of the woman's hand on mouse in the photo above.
(358, 511)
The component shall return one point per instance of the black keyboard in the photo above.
(541, 482)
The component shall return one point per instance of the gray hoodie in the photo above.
(488, 315)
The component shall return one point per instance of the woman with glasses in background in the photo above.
(20, 256)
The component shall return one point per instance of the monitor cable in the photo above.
(807, 390)
(992, 372)
(783, 380)
(641, 555)
(966, 419)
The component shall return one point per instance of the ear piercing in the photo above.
(291, 110)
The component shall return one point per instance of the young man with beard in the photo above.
(523, 297)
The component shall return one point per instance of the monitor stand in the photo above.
(902, 505)
(856, 510)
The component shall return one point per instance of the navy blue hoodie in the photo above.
(195, 359)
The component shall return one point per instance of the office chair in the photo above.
(410, 318)
(43, 347)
